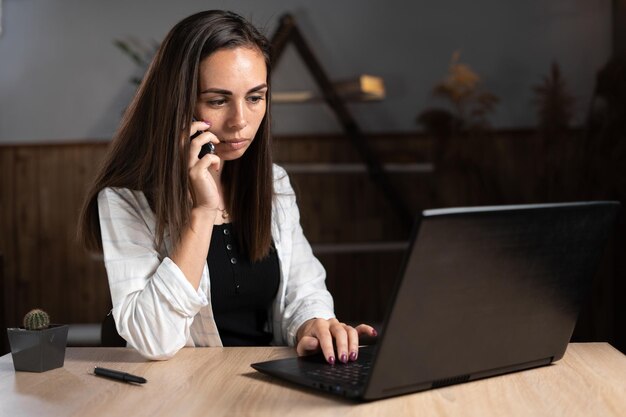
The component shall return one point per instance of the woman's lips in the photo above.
(234, 145)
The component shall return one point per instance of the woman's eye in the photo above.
(255, 99)
(217, 102)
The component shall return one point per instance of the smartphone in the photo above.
(207, 147)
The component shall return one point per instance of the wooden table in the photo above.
(589, 381)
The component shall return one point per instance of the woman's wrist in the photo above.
(201, 220)
(201, 214)
(302, 329)
(191, 251)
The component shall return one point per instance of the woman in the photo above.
(207, 250)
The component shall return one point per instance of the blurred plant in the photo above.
(605, 136)
(139, 52)
(608, 106)
(471, 104)
(461, 87)
(555, 104)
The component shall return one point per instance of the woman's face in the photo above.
(232, 97)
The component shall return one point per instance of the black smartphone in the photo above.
(207, 147)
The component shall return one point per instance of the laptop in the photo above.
(483, 291)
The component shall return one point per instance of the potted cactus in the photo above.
(39, 346)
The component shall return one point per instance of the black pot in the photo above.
(38, 350)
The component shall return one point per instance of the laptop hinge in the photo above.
(450, 381)
(512, 368)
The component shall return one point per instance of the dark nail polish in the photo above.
(331, 360)
(353, 356)
(344, 358)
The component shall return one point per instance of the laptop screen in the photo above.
(486, 290)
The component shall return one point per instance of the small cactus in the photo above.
(36, 320)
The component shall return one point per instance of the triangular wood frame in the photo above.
(288, 31)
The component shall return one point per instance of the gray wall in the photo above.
(61, 78)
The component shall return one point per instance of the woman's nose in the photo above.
(237, 120)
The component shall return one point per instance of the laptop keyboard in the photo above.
(351, 373)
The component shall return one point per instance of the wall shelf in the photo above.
(363, 88)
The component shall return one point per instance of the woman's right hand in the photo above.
(203, 172)
(191, 250)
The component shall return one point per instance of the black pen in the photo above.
(120, 376)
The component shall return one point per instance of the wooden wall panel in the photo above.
(7, 235)
(42, 187)
(41, 192)
(337, 148)
(362, 283)
(90, 275)
(350, 208)
(26, 220)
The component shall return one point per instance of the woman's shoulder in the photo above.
(284, 197)
(278, 171)
(116, 193)
(121, 196)
(281, 180)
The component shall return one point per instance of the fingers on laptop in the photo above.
(341, 334)
(323, 331)
(328, 334)
(307, 345)
(366, 330)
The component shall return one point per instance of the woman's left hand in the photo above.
(318, 334)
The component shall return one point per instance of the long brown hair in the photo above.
(149, 151)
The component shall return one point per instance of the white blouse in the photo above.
(158, 311)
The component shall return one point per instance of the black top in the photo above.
(241, 292)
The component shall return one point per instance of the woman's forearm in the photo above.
(191, 251)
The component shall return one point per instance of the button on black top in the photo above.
(241, 292)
